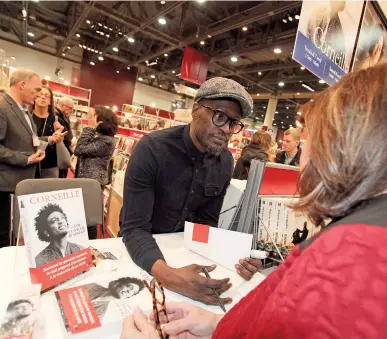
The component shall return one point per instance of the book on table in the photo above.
(55, 236)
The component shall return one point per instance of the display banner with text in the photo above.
(326, 37)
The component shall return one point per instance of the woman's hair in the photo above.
(346, 140)
(117, 284)
(41, 225)
(13, 304)
(109, 120)
(262, 139)
(51, 105)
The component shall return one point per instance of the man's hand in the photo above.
(58, 136)
(36, 157)
(248, 267)
(136, 326)
(57, 125)
(189, 321)
(189, 282)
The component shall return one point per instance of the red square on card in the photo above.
(200, 233)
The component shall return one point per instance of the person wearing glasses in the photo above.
(181, 174)
(64, 109)
(43, 115)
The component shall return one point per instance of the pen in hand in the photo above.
(204, 270)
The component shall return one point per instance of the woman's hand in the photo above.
(189, 321)
(136, 326)
(57, 136)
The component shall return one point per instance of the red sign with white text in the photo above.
(79, 312)
(59, 270)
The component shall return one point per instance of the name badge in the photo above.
(35, 140)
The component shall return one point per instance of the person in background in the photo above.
(64, 109)
(291, 151)
(258, 149)
(19, 153)
(95, 148)
(43, 115)
(341, 272)
(235, 143)
(181, 174)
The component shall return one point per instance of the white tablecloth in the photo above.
(14, 269)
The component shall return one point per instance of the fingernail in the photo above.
(236, 266)
(241, 261)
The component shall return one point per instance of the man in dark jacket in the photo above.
(64, 110)
(292, 152)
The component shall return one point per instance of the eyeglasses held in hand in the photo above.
(220, 118)
(158, 298)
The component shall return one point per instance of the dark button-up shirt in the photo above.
(167, 182)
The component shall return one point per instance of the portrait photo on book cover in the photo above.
(19, 319)
(58, 234)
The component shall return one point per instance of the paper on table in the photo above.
(223, 247)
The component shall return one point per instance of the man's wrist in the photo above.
(163, 273)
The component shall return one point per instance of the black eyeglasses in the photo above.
(219, 119)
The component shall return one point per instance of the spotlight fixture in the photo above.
(162, 2)
(80, 46)
(281, 84)
(131, 40)
(88, 22)
(297, 17)
(302, 68)
(259, 73)
(100, 52)
(161, 86)
(298, 93)
(153, 104)
(290, 18)
(99, 24)
(140, 79)
(78, 35)
(244, 28)
(287, 107)
(13, 58)
(201, 1)
(162, 21)
(107, 35)
(30, 43)
(63, 54)
(298, 113)
(115, 49)
(234, 59)
(118, 72)
(165, 54)
(173, 72)
(100, 58)
(308, 87)
(275, 124)
(92, 63)
(284, 21)
(202, 42)
(276, 112)
(209, 36)
(31, 34)
(128, 68)
(277, 50)
(68, 47)
(84, 46)
(153, 76)
(321, 81)
(258, 94)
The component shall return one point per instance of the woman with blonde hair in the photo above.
(258, 148)
(332, 285)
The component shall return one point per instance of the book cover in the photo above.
(100, 303)
(262, 220)
(278, 222)
(55, 234)
(20, 314)
(271, 224)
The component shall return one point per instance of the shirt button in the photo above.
(192, 191)
(216, 193)
(185, 208)
(196, 170)
(193, 159)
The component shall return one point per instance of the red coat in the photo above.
(333, 286)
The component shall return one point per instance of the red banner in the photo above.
(194, 66)
(78, 309)
(59, 270)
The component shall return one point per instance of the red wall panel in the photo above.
(108, 87)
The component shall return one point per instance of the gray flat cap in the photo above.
(223, 88)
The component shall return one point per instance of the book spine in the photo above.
(270, 220)
(25, 220)
(278, 211)
(286, 237)
(262, 214)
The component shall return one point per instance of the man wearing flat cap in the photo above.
(182, 174)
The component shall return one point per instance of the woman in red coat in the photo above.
(333, 285)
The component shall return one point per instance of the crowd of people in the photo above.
(182, 173)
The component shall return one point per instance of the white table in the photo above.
(14, 269)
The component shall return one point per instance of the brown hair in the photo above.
(51, 106)
(347, 136)
(262, 139)
(109, 120)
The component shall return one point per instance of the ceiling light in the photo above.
(80, 45)
(120, 33)
(153, 104)
(258, 94)
(99, 24)
(31, 34)
(92, 63)
(298, 124)
(209, 36)
(68, 47)
(234, 59)
(202, 42)
(302, 68)
(161, 86)
(106, 27)
(282, 122)
(118, 72)
(24, 13)
(100, 52)
(290, 18)
(162, 21)
(277, 50)
(46, 77)
(140, 79)
(88, 22)
(128, 67)
(77, 35)
(298, 113)
(100, 58)
(153, 76)
(201, 1)
(321, 81)
(287, 117)
(66, 83)
(93, 50)
(88, 48)
(61, 78)
(108, 35)
(290, 125)
(276, 112)
(63, 54)
(115, 49)
(297, 17)
(162, 2)
(84, 46)
(259, 73)
(165, 54)
(131, 40)
(30, 43)
(284, 21)
(275, 124)
(13, 58)
(102, 33)
(281, 84)
(308, 87)
(146, 61)
(173, 72)
(298, 93)
(261, 115)
(244, 28)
